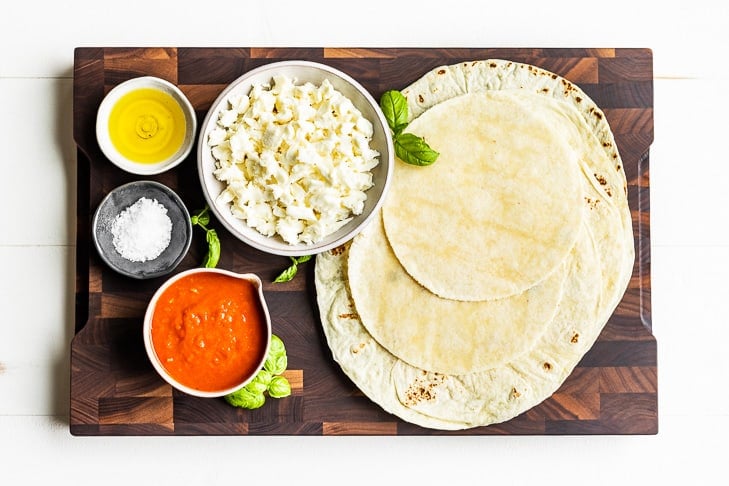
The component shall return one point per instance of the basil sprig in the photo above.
(289, 274)
(201, 218)
(408, 147)
(269, 380)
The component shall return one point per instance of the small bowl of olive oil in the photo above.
(146, 125)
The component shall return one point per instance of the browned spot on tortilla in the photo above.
(423, 390)
(575, 339)
(441, 71)
(350, 315)
(592, 203)
(420, 98)
(547, 366)
(337, 251)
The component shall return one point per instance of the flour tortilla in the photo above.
(451, 402)
(459, 401)
(437, 334)
(501, 207)
(599, 267)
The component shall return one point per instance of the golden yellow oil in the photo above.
(147, 125)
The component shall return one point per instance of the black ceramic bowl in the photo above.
(120, 199)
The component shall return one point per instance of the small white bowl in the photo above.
(301, 72)
(102, 126)
(154, 358)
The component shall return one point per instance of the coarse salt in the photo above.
(142, 231)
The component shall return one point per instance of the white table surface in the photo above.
(689, 237)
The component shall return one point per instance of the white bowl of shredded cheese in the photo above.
(294, 157)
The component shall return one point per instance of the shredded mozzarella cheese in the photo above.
(296, 159)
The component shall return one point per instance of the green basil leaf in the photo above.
(288, 274)
(268, 380)
(276, 348)
(279, 387)
(303, 259)
(276, 360)
(213, 255)
(201, 217)
(395, 108)
(256, 387)
(263, 377)
(244, 398)
(276, 364)
(414, 150)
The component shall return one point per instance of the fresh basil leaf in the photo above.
(201, 217)
(276, 364)
(213, 255)
(288, 274)
(257, 388)
(414, 150)
(268, 380)
(395, 108)
(276, 359)
(245, 398)
(303, 259)
(263, 377)
(276, 348)
(279, 387)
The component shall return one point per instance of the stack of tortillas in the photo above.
(489, 274)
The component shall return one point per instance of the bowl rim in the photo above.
(299, 249)
(104, 110)
(178, 202)
(147, 328)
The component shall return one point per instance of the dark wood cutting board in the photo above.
(115, 390)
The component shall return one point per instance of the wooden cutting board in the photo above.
(115, 390)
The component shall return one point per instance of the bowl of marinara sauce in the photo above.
(207, 330)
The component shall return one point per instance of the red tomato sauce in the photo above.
(209, 330)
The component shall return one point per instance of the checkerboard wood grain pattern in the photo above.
(115, 390)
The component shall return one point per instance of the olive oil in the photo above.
(147, 126)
